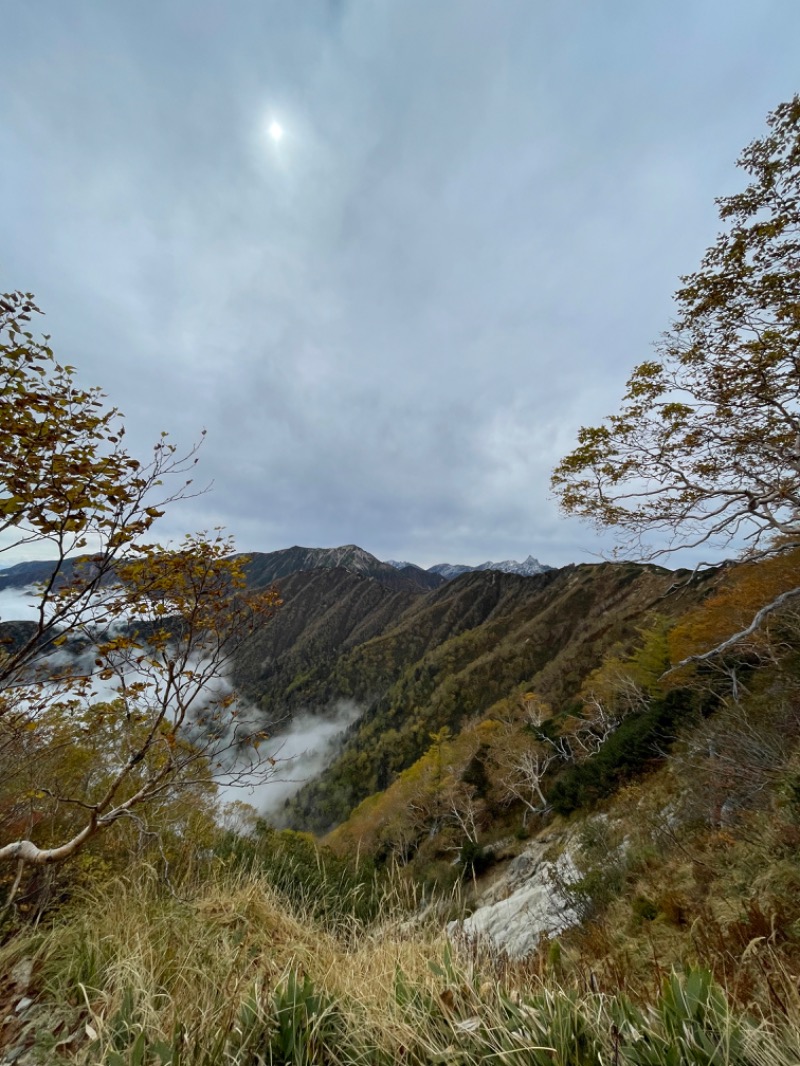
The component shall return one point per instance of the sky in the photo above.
(392, 321)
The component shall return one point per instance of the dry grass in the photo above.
(228, 975)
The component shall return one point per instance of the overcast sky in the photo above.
(393, 320)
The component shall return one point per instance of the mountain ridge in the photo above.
(527, 568)
(265, 568)
(262, 568)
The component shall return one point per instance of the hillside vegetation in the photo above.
(682, 820)
(449, 657)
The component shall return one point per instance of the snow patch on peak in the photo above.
(528, 568)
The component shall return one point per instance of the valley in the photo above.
(522, 771)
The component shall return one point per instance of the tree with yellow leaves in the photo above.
(705, 449)
(706, 446)
(116, 698)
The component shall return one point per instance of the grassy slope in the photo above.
(227, 973)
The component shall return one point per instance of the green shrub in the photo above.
(644, 908)
(641, 741)
(474, 859)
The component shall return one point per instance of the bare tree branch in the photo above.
(755, 624)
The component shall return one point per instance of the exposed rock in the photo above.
(528, 902)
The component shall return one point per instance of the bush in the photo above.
(474, 859)
(644, 908)
(641, 741)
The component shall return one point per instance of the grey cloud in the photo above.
(393, 322)
(300, 753)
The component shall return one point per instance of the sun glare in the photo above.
(275, 130)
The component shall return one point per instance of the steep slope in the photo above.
(326, 612)
(378, 648)
(15, 635)
(457, 651)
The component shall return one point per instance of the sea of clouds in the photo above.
(300, 750)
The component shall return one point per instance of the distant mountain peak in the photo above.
(448, 571)
(528, 568)
(266, 568)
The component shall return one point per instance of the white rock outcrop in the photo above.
(526, 903)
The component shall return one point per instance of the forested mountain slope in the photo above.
(452, 654)
(325, 613)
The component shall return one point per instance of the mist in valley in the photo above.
(264, 775)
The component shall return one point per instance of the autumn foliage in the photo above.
(115, 701)
(706, 445)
